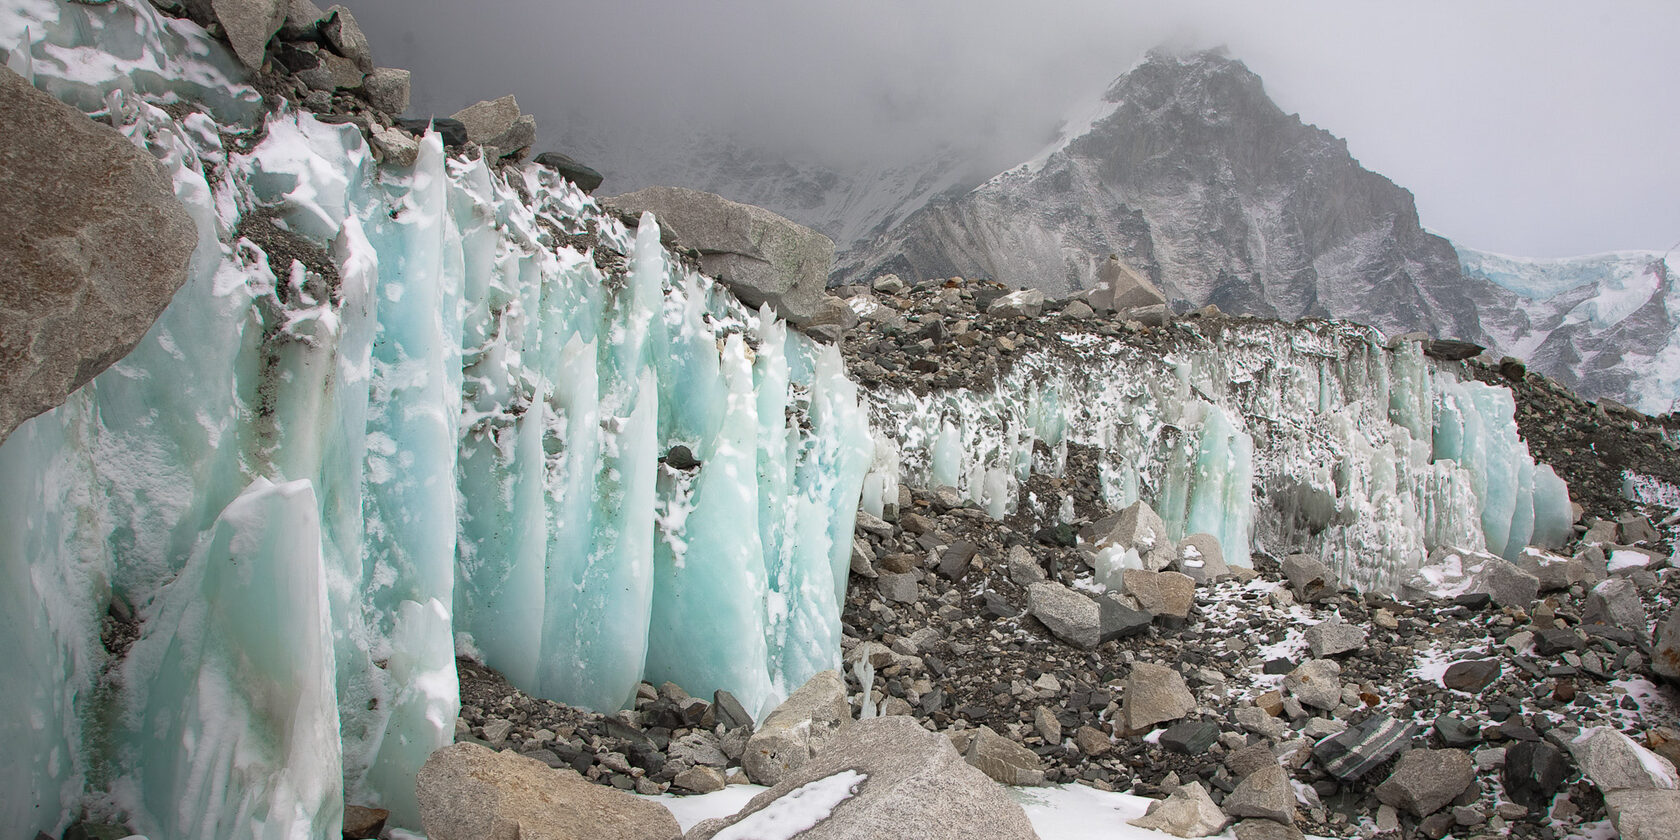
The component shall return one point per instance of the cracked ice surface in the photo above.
(1314, 438)
(312, 482)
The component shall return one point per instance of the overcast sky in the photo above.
(1529, 128)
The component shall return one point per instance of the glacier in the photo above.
(435, 424)
(1318, 437)
(400, 413)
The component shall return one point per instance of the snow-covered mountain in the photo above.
(1188, 171)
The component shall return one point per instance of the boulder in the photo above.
(1026, 303)
(1316, 683)
(397, 148)
(1200, 557)
(467, 792)
(1154, 694)
(587, 179)
(1168, 594)
(1459, 573)
(881, 777)
(1425, 781)
(1665, 654)
(1358, 750)
(1003, 759)
(1309, 579)
(762, 257)
(1451, 350)
(345, 37)
(1533, 773)
(332, 73)
(1644, 814)
(1264, 793)
(303, 21)
(247, 24)
(1068, 615)
(1140, 528)
(96, 245)
(1265, 830)
(386, 89)
(1471, 675)
(1188, 812)
(796, 729)
(1614, 762)
(1121, 287)
(1615, 602)
(1334, 637)
(497, 126)
(1636, 529)
(1191, 737)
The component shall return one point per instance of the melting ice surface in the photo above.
(1315, 438)
(312, 481)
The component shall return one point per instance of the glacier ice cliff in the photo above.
(392, 411)
(1317, 437)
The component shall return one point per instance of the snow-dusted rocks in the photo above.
(798, 728)
(881, 777)
(1614, 762)
(1026, 303)
(96, 245)
(762, 257)
(1168, 595)
(1456, 573)
(467, 792)
(1615, 602)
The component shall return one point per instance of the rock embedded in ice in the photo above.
(1154, 694)
(467, 792)
(96, 246)
(1425, 781)
(247, 24)
(1199, 556)
(1138, 527)
(903, 782)
(797, 729)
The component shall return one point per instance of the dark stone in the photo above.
(681, 458)
(1277, 666)
(1471, 675)
(586, 178)
(365, 823)
(998, 607)
(1359, 749)
(454, 131)
(1473, 600)
(1451, 350)
(1190, 737)
(1555, 641)
(954, 561)
(1513, 369)
(1118, 621)
(1457, 733)
(1436, 825)
(1534, 772)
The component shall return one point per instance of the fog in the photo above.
(1531, 128)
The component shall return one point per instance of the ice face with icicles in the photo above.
(1316, 438)
(443, 425)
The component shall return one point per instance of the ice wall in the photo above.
(1315, 437)
(391, 412)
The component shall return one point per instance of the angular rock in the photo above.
(1644, 814)
(1636, 529)
(1167, 594)
(1265, 793)
(1665, 654)
(1047, 726)
(1154, 694)
(1121, 287)
(701, 779)
(1190, 737)
(467, 792)
(386, 89)
(1425, 781)
(903, 782)
(1471, 675)
(1140, 528)
(303, 21)
(1451, 350)
(1615, 602)
(1316, 683)
(1533, 773)
(1614, 762)
(396, 148)
(899, 588)
(248, 25)
(1265, 830)
(762, 257)
(1026, 303)
(451, 131)
(1200, 557)
(95, 246)
(488, 119)
(1092, 741)
(1023, 568)
(1070, 616)
(1117, 620)
(1003, 760)
(1256, 720)
(346, 38)
(332, 73)
(954, 560)
(586, 178)
(361, 823)
(1359, 749)
(796, 729)
(1247, 760)
(1188, 812)
(1457, 733)
(1334, 637)
(1309, 579)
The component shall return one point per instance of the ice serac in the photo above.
(1316, 437)
(393, 413)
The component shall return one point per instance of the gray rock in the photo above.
(467, 792)
(1644, 814)
(796, 729)
(1121, 287)
(954, 560)
(488, 119)
(1309, 579)
(729, 710)
(1265, 830)
(1665, 654)
(248, 26)
(333, 73)
(1003, 760)
(1636, 529)
(1149, 316)
(346, 38)
(1615, 602)
(836, 312)
(1254, 719)
(701, 779)
(1191, 737)
(698, 748)
(1265, 793)
(897, 588)
(913, 784)
(1188, 812)
(1359, 749)
(515, 140)
(1471, 675)
(1118, 620)
(1140, 528)
(1154, 694)
(1334, 637)
(1425, 781)
(863, 559)
(1614, 762)
(1070, 616)
(1047, 726)
(1242, 762)
(586, 178)
(396, 148)
(386, 89)
(1078, 309)
(762, 257)
(1200, 557)
(302, 22)
(1023, 569)
(1026, 303)
(1169, 594)
(1316, 683)
(95, 246)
